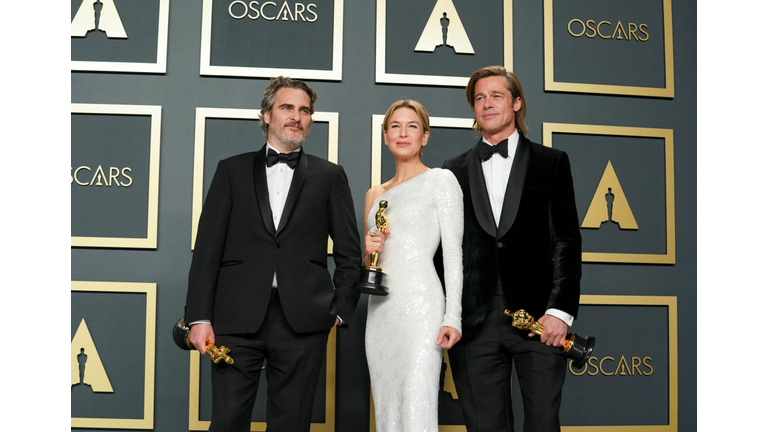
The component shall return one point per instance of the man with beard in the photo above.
(258, 282)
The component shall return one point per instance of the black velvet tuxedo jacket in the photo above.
(238, 249)
(536, 250)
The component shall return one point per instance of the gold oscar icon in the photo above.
(575, 347)
(181, 337)
(372, 276)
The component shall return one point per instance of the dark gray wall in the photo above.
(356, 97)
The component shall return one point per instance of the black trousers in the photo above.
(293, 367)
(482, 372)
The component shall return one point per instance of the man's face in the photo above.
(494, 107)
(290, 119)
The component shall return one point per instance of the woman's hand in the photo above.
(375, 242)
(448, 337)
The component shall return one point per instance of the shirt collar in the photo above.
(270, 146)
(512, 141)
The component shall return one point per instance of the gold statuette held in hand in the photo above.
(372, 276)
(574, 347)
(381, 225)
(219, 353)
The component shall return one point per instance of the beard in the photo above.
(290, 142)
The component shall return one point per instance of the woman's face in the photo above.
(405, 135)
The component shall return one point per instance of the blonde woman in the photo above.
(408, 329)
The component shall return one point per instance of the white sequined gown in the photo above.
(404, 359)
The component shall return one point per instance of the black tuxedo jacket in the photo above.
(536, 250)
(238, 249)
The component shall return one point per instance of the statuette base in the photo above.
(371, 281)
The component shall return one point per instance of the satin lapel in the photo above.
(515, 185)
(299, 174)
(262, 191)
(480, 201)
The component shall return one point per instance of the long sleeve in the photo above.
(450, 214)
(209, 247)
(346, 246)
(566, 236)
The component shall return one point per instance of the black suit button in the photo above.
(277, 245)
(499, 245)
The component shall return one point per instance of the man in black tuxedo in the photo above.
(522, 250)
(258, 282)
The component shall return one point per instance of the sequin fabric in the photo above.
(404, 359)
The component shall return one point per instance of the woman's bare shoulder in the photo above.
(374, 193)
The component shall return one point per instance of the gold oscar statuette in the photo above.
(372, 276)
(219, 353)
(575, 347)
(181, 337)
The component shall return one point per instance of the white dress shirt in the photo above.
(496, 171)
(279, 178)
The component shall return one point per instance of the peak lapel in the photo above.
(262, 190)
(299, 174)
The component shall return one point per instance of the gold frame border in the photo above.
(201, 114)
(162, 52)
(669, 164)
(377, 138)
(150, 289)
(195, 424)
(155, 113)
(390, 78)
(265, 72)
(669, 70)
(671, 303)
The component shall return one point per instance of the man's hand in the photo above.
(448, 337)
(555, 330)
(201, 335)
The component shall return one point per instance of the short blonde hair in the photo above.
(421, 112)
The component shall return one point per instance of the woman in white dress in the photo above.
(408, 329)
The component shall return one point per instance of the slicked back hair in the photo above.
(270, 93)
(513, 85)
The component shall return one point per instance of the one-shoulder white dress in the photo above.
(404, 359)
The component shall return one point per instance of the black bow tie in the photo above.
(291, 159)
(486, 150)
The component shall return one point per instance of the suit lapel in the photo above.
(299, 174)
(515, 185)
(480, 200)
(262, 190)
